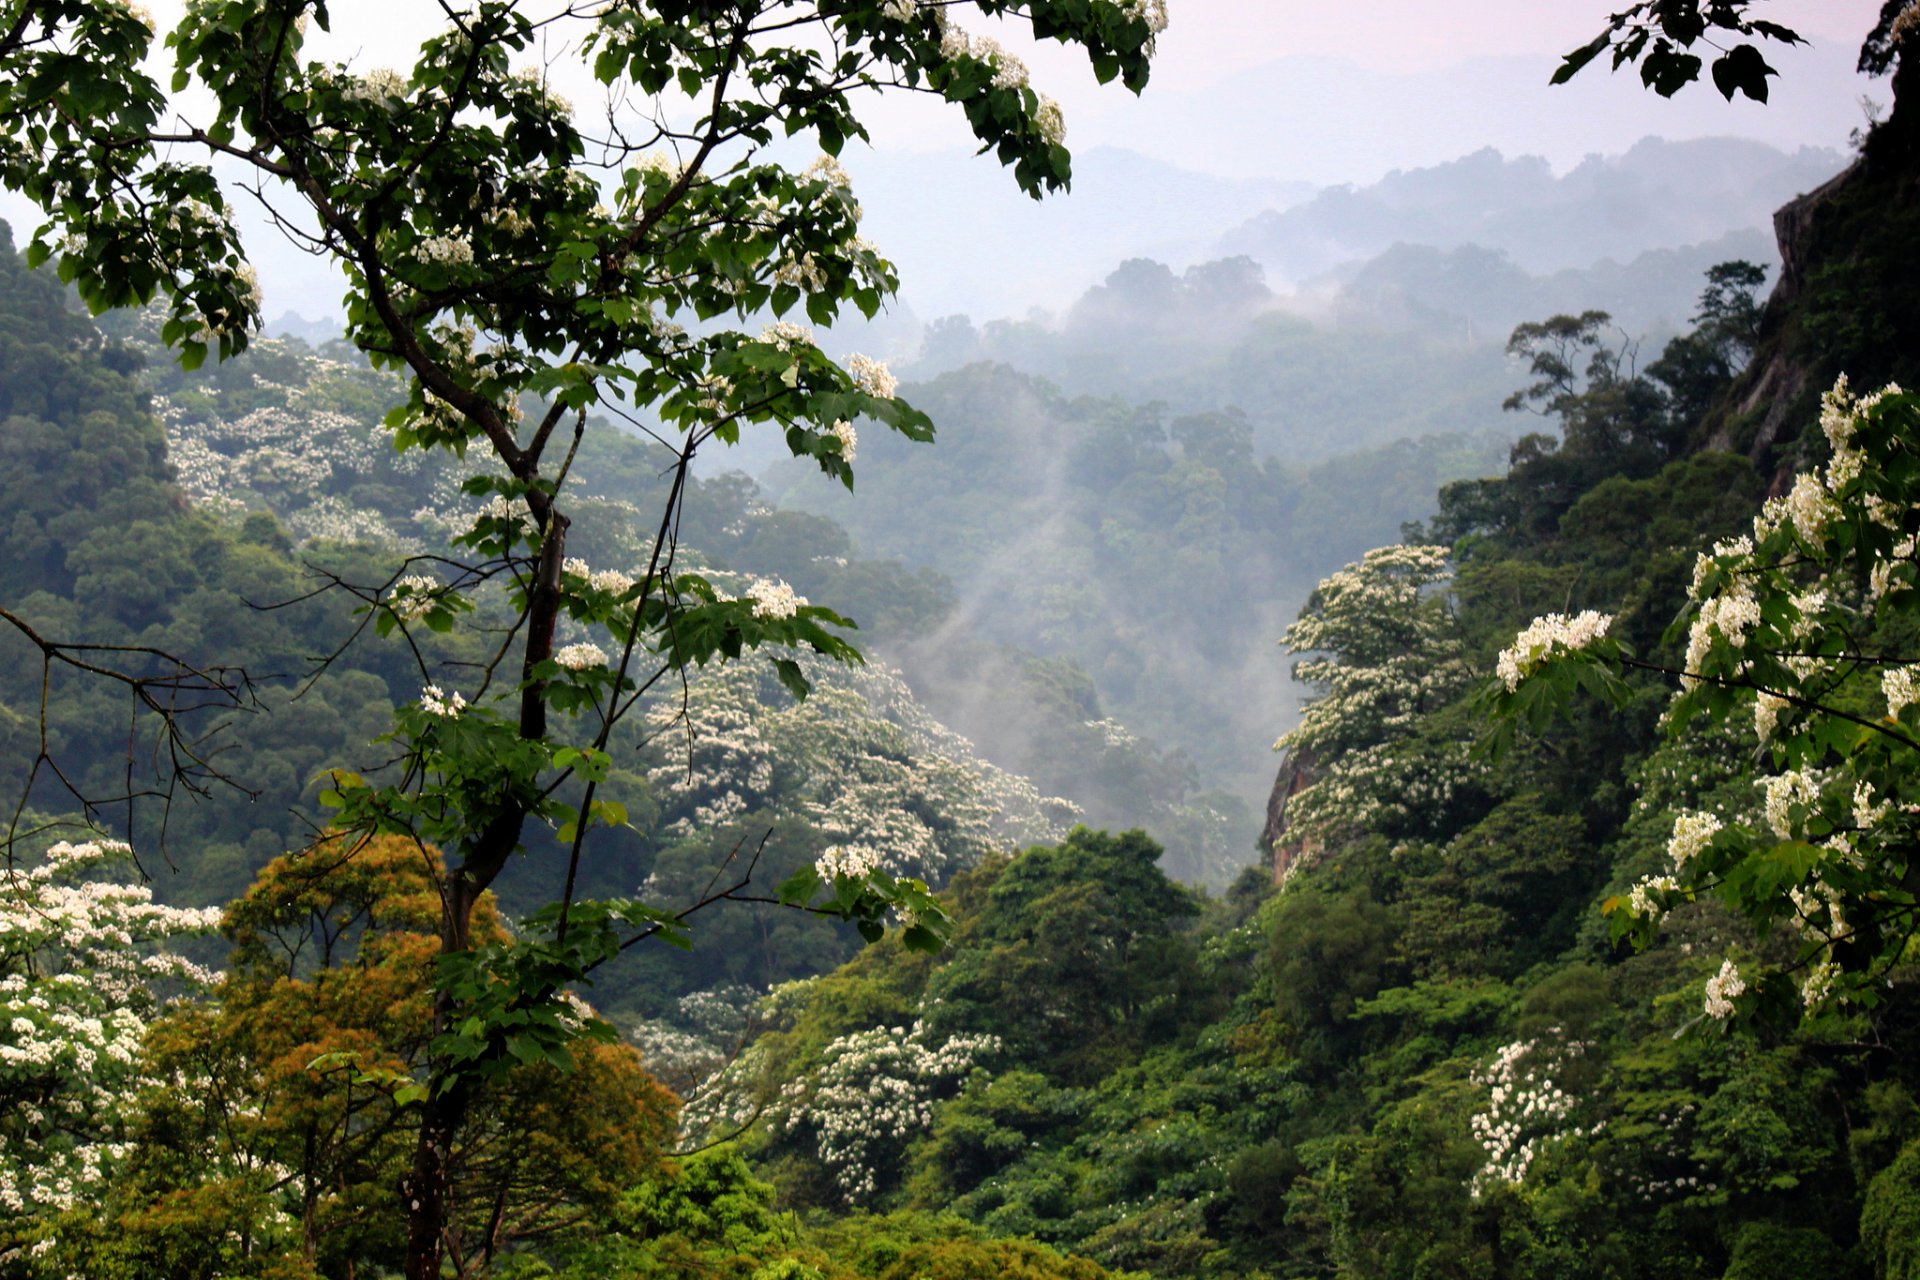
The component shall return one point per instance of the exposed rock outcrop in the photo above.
(1296, 774)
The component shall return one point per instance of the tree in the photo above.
(1383, 652)
(505, 256)
(84, 970)
(1805, 627)
(294, 1127)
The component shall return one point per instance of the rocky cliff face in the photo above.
(1845, 292)
(1296, 773)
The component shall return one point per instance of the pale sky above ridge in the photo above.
(1263, 89)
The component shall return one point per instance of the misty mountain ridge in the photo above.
(1657, 195)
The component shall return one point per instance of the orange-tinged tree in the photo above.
(292, 1112)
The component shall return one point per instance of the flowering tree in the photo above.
(1804, 629)
(83, 971)
(500, 251)
(1382, 650)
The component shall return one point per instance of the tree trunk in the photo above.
(427, 1192)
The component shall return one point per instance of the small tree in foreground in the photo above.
(1810, 627)
(504, 252)
(84, 971)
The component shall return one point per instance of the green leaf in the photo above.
(1571, 64)
(1742, 69)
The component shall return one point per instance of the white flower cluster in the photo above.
(852, 861)
(1897, 686)
(875, 1091)
(1525, 1111)
(412, 596)
(581, 657)
(446, 250)
(1152, 12)
(1692, 832)
(138, 12)
(1546, 636)
(1766, 713)
(435, 701)
(1810, 508)
(82, 966)
(1732, 613)
(613, 581)
(826, 169)
(535, 80)
(849, 440)
(383, 86)
(1794, 787)
(1050, 122)
(786, 335)
(1642, 902)
(872, 376)
(1722, 990)
(774, 600)
(1817, 987)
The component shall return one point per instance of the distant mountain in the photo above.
(1480, 294)
(314, 333)
(966, 240)
(1656, 196)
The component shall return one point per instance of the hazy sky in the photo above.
(1270, 89)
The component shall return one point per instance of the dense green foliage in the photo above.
(1427, 1053)
(1413, 1047)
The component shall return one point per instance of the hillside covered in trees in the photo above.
(1579, 940)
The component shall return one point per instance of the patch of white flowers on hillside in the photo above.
(299, 457)
(83, 962)
(1526, 1111)
(873, 1092)
(1382, 650)
(860, 762)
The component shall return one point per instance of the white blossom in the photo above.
(1811, 508)
(848, 438)
(854, 862)
(786, 335)
(581, 657)
(446, 250)
(1692, 832)
(1050, 122)
(1642, 902)
(412, 597)
(872, 376)
(1794, 787)
(1546, 636)
(1896, 685)
(774, 600)
(1722, 990)
(436, 702)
